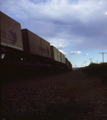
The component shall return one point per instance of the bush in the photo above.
(97, 70)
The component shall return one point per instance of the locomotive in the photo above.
(21, 48)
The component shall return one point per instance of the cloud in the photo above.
(58, 43)
(77, 23)
(60, 47)
(86, 54)
(75, 52)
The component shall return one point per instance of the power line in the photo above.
(103, 56)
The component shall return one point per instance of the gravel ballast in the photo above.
(63, 96)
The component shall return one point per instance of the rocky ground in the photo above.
(69, 95)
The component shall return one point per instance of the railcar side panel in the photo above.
(55, 54)
(33, 44)
(10, 32)
(63, 58)
(68, 64)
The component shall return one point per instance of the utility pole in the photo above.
(97, 61)
(82, 64)
(103, 56)
(90, 60)
(85, 63)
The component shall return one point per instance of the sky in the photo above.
(78, 28)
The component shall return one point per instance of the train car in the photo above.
(23, 49)
(58, 57)
(33, 44)
(63, 58)
(10, 32)
(55, 54)
(35, 47)
(11, 37)
(68, 64)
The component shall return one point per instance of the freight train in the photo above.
(22, 48)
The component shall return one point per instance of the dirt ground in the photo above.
(69, 95)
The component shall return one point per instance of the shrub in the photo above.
(97, 70)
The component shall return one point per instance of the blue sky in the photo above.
(78, 28)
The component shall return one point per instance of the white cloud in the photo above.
(75, 52)
(59, 43)
(60, 47)
(53, 9)
(86, 54)
(78, 23)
